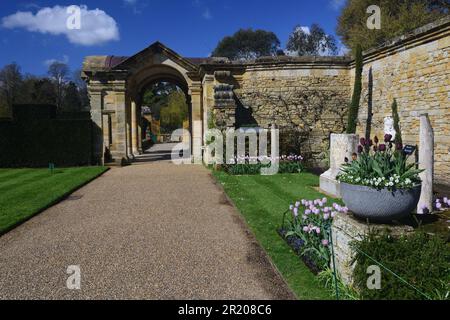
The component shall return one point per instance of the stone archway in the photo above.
(115, 86)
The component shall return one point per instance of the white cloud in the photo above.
(207, 14)
(337, 4)
(65, 59)
(97, 26)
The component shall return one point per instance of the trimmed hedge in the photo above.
(37, 143)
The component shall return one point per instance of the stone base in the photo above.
(329, 184)
(345, 230)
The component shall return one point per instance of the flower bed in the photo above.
(308, 231)
(253, 165)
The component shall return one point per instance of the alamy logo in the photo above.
(374, 279)
(74, 280)
(374, 21)
(73, 22)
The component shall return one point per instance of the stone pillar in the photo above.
(139, 130)
(341, 146)
(426, 162)
(128, 130)
(134, 129)
(195, 92)
(96, 98)
(120, 135)
(106, 130)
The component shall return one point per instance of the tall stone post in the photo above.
(426, 162)
(139, 130)
(120, 151)
(96, 98)
(134, 129)
(195, 92)
(341, 146)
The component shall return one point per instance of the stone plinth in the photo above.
(341, 146)
(426, 163)
(345, 230)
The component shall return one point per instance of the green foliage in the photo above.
(395, 116)
(397, 18)
(313, 43)
(357, 88)
(327, 279)
(247, 44)
(176, 111)
(311, 223)
(421, 259)
(38, 143)
(384, 167)
(286, 164)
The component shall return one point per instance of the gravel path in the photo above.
(152, 230)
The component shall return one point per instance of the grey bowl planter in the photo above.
(379, 205)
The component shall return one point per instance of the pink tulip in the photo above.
(326, 216)
(325, 242)
(317, 230)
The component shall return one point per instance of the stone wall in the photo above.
(414, 69)
(306, 98)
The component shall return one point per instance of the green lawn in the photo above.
(25, 192)
(262, 201)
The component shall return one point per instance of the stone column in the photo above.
(96, 98)
(134, 129)
(197, 131)
(341, 146)
(120, 135)
(128, 129)
(139, 129)
(426, 162)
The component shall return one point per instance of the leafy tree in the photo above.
(248, 44)
(71, 100)
(176, 111)
(157, 96)
(397, 18)
(312, 42)
(10, 83)
(58, 72)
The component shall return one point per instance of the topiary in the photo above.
(398, 135)
(357, 88)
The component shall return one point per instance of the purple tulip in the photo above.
(362, 141)
(382, 147)
(318, 230)
(399, 146)
(376, 139)
(360, 149)
(326, 216)
(333, 214)
(296, 212)
(306, 229)
(307, 211)
(297, 204)
(324, 200)
(387, 137)
(438, 205)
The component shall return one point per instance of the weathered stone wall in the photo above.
(414, 69)
(309, 95)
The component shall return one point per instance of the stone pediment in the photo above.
(155, 54)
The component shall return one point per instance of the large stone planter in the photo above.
(379, 205)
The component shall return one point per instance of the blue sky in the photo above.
(123, 27)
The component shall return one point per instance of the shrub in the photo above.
(421, 259)
(396, 118)
(38, 143)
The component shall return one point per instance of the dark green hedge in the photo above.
(40, 142)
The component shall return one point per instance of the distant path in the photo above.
(152, 230)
